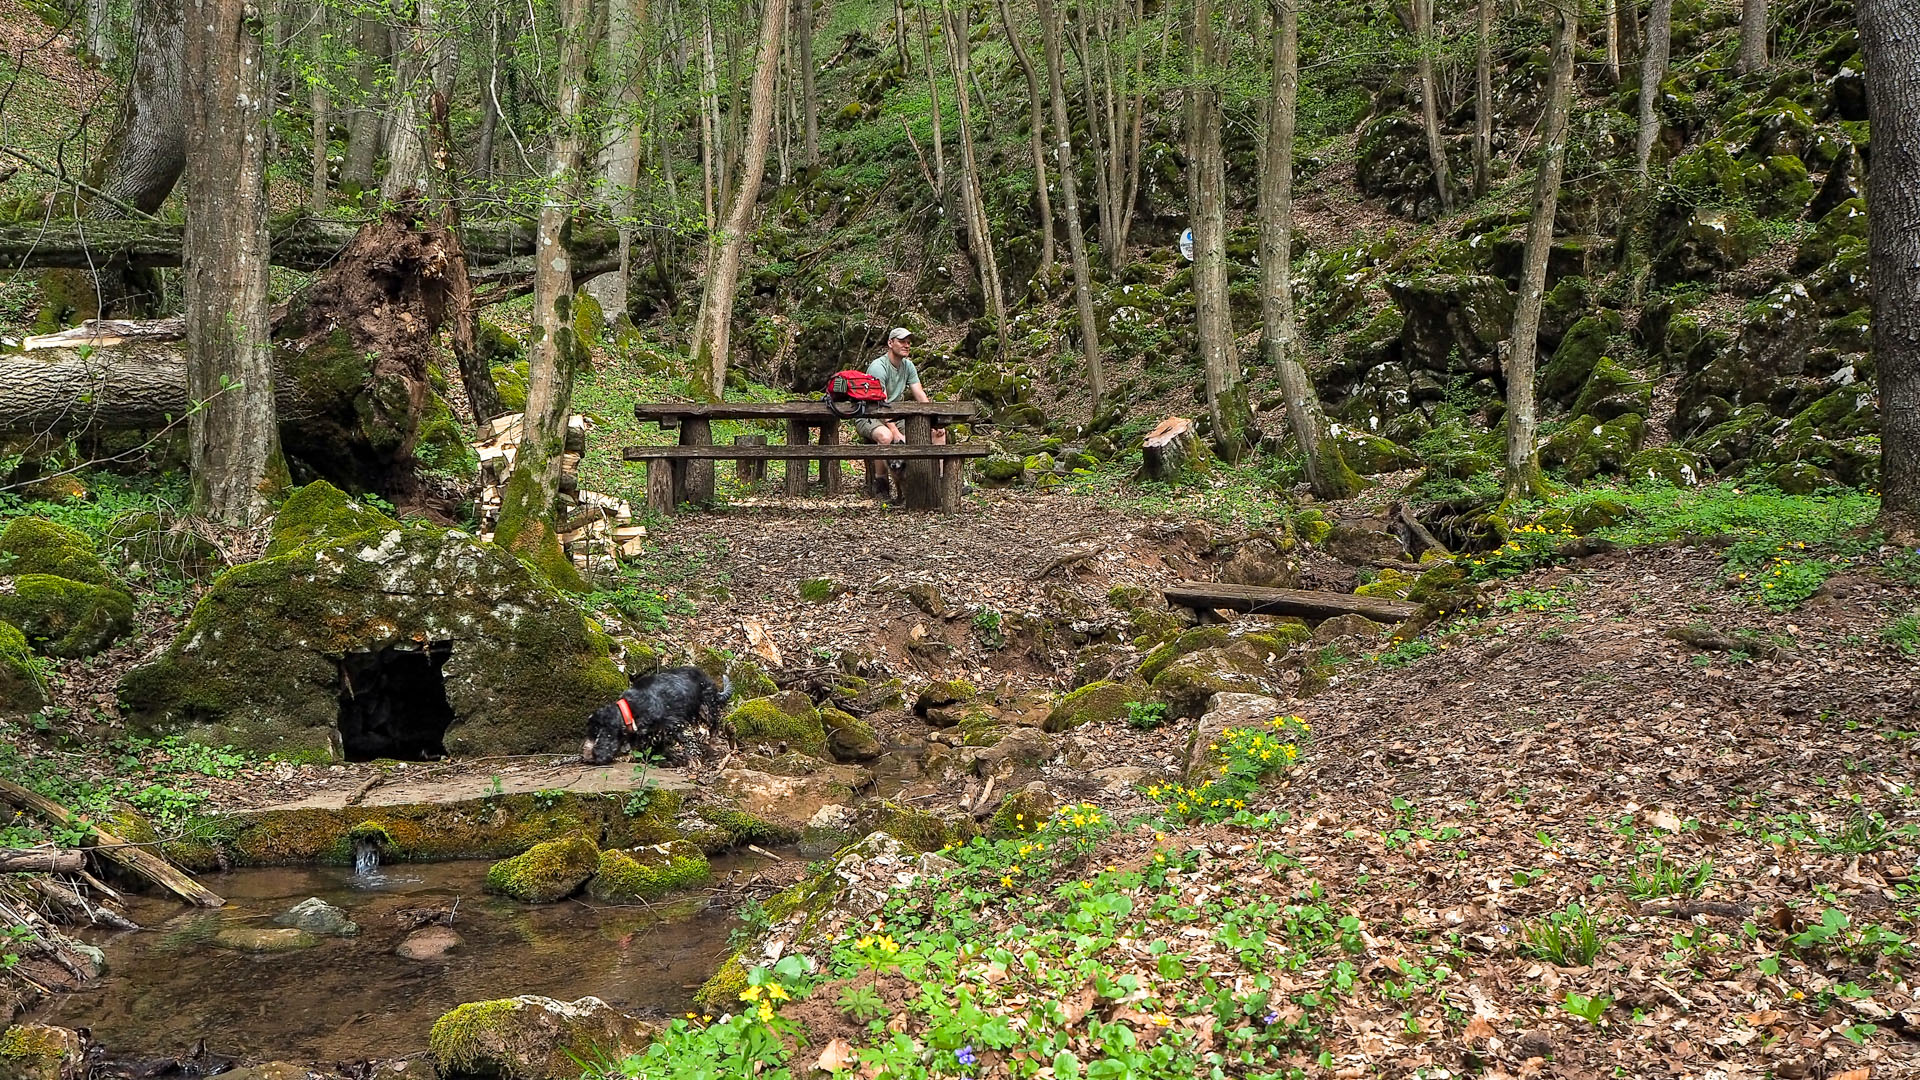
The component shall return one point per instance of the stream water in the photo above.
(353, 998)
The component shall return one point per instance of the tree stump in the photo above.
(750, 471)
(698, 431)
(918, 482)
(798, 434)
(1172, 450)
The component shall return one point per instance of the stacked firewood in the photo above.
(597, 530)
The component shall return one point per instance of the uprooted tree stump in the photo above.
(352, 356)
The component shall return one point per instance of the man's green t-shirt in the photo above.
(895, 379)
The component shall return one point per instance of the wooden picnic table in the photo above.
(932, 476)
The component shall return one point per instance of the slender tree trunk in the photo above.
(1430, 105)
(232, 436)
(317, 104)
(1070, 204)
(624, 139)
(933, 106)
(1207, 159)
(99, 27)
(809, 96)
(1523, 457)
(1890, 36)
(979, 232)
(147, 152)
(714, 325)
(483, 153)
(1612, 17)
(1043, 202)
(710, 152)
(1103, 194)
(1327, 471)
(528, 502)
(1483, 102)
(1753, 37)
(1653, 75)
(414, 74)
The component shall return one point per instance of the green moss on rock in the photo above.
(32, 545)
(319, 513)
(42, 1052)
(532, 1038)
(20, 687)
(721, 992)
(740, 827)
(647, 873)
(545, 872)
(1579, 353)
(942, 694)
(1100, 702)
(748, 680)
(63, 617)
(1192, 641)
(849, 738)
(1612, 390)
(787, 717)
(1023, 811)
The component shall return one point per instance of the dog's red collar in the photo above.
(626, 713)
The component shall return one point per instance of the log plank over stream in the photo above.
(1300, 603)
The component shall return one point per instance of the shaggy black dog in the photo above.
(662, 713)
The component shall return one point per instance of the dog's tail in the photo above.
(716, 698)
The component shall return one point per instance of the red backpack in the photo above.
(856, 387)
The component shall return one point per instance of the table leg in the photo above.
(922, 487)
(797, 435)
(660, 485)
(698, 431)
(830, 467)
(953, 474)
(750, 470)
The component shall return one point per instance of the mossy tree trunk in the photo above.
(1523, 456)
(1430, 104)
(1890, 36)
(1070, 204)
(233, 440)
(1037, 140)
(1327, 471)
(979, 232)
(714, 325)
(527, 505)
(1753, 37)
(1653, 73)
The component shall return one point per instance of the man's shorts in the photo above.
(865, 426)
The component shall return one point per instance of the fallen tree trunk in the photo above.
(42, 861)
(132, 859)
(301, 243)
(1300, 603)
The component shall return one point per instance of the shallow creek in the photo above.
(353, 998)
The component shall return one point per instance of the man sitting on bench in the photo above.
(901, 378)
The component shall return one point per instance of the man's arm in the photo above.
(919, 392)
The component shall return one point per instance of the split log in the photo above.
(134, 860)
(1300, 603)
(303, 243)
(1171, 449)
(42, 861)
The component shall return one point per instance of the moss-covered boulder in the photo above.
(1586, 447)
(546, 872)
(1672, 464)
(20, 687)
(42, 1052)
(1579, 352)
(1094, 703)
(532, 1038)
(787, 717)
(1240, 667)
(1023, 811)
(748, 679)
(280, 654)
(63, 617)
(849, 738)
(647, 873)
(789, 802)
(32, 545)
(1612, 391)
(922, 830)
(1191, 641)
(943, 694)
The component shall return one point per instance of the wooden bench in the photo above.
(932, 478)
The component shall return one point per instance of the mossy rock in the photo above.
(258, 665)
(1672, 464)
(32, 545)
(1000, 470)
(1192, 641)
(42, 1052)
(721, 992)
(849, 738)
(1312, 526)
(787, 717)
(1845, 225)
(940, 695)
(1587, 447)
(1186, 686)
(1779, 186)
(1100, 702)
(739, 827)
(532, 1038)
(545, 873)
(748, 679)
(1613, 391)
(647, 873)
(20, 687)
(63, 617)
(1443, 587)
(1023, 811)
(1368, 455)
(510, 382)
(1389, 583)
(1280, 639)
(921, 830)
(1579, 353)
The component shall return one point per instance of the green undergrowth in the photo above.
(1252, 495)
(161, 779)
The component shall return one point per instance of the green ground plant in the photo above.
(1248, 757)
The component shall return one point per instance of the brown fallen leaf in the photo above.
(1077, 1006)
(836, 1057)
(1478, 1028)
(761, 641)
(1855, 1074)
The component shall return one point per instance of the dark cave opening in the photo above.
(393, 703)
